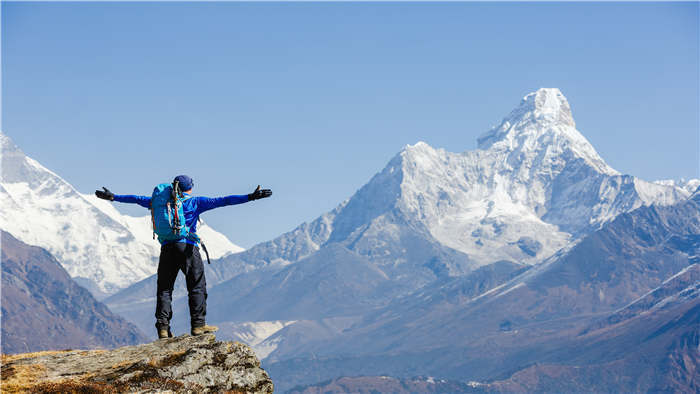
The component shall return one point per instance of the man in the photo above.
(183, 254)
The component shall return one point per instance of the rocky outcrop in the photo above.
(180, 364)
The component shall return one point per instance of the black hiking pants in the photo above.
(175, 257)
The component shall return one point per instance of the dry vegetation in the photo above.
(18, 378)
(6, 358)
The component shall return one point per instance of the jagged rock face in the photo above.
(43, 308)
(101, 248)
(181, 364)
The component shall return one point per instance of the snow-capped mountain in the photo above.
(534, 186)
(101, 248)
(690, 185)
(623, 299)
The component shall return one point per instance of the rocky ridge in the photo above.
(180, 364)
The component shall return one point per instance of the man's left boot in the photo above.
(203, 329)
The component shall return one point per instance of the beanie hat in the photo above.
(186, 183)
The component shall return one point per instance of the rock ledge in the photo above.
(181, 364)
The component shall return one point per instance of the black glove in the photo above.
(105, 195)
(258, 194)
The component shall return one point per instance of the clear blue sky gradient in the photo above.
(312, 99)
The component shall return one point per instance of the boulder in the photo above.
(181, 364)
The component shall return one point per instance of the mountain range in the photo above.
(102, 249)
(534, 186)
(394, 275)
(493, 266)
(622, 304)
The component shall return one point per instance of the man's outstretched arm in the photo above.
(205, 203)
(105, 194)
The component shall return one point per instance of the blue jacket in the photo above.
(192, 206)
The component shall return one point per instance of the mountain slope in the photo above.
(624, 299)
(101, 248)
(607, 270)
(654, 348)
(310, 289)
(42, 308)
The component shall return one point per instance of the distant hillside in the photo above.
(388, 384)
(43, 308)
(655, 351)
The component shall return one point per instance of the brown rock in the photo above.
(180, 364)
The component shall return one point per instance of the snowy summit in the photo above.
(534, 186)
(543, 121)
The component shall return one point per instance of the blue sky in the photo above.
(312, 99)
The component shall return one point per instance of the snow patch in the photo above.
(258, 335)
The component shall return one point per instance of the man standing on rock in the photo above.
(183, 253)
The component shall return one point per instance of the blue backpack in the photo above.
(168, 216)
(167, 213)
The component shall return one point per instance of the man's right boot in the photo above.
(203, 329)
(164, 332)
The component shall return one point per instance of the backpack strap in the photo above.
(198, 240)
(153, 221)
(205, 251)
(177, 225)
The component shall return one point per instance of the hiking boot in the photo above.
(203, 329)
(163, 333)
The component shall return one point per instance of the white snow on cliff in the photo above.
(100, 247)
(534, 185)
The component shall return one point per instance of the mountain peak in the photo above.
(544, 109)
(7, 146)
(548, 104)
(420, 148)
(542, 122)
